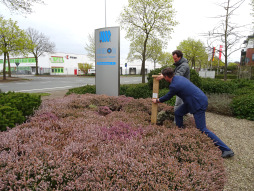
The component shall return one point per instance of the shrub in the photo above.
(130, 90)
(83, 90)
(242, 106)
(195, 78)
(243, 86)
(163, 92)
(68, 145)
(229, 76)
(9, 117)
(138, 91)
(104, 110)
(123, 89)
(243, 91)
(220, 104)
(214, 86)
(24, 102)
(163, 83)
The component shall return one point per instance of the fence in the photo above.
(245, 72)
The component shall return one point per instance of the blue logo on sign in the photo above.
(106, 63)
(105, 36)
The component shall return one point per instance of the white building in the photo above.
(135, 67)
(53, 64)
(64, 64)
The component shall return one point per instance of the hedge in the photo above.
(215, 86)
(24, 102)
(242, 106)
(15, 108)
(223, 92)
(9, 117)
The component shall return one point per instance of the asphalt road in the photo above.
(53, 83)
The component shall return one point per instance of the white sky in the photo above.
(68, 23)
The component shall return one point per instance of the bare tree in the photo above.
(226, 32)
(40, 44)
(90, 47)
(252, 4)
(20, 6)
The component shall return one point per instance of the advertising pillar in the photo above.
(107, 61)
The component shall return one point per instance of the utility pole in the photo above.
(105, 16)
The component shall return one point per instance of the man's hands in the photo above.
(160, 77)
(155, 100)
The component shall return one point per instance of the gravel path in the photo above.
(238, 134)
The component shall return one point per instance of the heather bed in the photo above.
(97, 142)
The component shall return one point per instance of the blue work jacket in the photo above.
(192, 96)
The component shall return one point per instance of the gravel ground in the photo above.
(238, 134)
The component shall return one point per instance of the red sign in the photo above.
(220, 52)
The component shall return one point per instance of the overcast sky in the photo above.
(68, 23)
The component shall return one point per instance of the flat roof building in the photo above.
(64, 64)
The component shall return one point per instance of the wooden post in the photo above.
(155, 96)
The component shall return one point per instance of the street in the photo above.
(52, 83)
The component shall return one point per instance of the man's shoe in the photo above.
(227, 154)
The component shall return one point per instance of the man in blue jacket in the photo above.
(194, 102)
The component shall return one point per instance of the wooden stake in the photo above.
(155, 96)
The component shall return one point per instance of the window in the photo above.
(247, 60)
(252, 57)
(57, 70)
(55, 59)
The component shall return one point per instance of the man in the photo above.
(181, 64)
(181, 69)
(194, 102)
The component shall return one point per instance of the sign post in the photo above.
(155, 96)
(107, 61)
(17, 64)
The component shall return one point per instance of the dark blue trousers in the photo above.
(200, 122)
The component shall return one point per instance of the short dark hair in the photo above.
(178, 53)
(168, 72)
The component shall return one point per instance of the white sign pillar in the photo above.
(107, 61)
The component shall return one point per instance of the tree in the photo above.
(90, 48)
(149, 19)
(40, 44)
(12, 41)
(20, 6)
(227, 33)
(155, 48)
(84, 67)
(136, 49)
(194, 51)
(166, 59)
